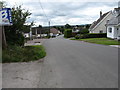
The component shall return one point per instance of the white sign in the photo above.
(5, 17)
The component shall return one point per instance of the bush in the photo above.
(14, 38)
(23, 54)
(95, 35)
(91, 35)
(84, 31)
(68, 33)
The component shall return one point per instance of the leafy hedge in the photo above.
(23, 54)
(84, 31)
(67, 33)
(91, 35)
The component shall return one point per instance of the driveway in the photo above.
(77, 64)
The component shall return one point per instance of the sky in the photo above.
(61, 12)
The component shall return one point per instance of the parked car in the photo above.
(53, 35)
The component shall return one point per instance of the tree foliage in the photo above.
(2, 4)
(14, 33)
(67, 33)
(67, 26)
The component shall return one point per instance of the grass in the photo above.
(23, 54)
(104, 41)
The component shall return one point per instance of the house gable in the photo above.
(99, 25)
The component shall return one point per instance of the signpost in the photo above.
(5, 20)
(5, 16)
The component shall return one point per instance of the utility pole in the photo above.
(30, 33)
(49, 29)
(4, 43)
(36, 31)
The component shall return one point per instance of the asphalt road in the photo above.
(77, 64)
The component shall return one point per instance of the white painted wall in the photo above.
(101, 25)
(26, 35)
(115, 33)
(110, 35)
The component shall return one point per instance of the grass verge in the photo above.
(104, 41)
(23, 54)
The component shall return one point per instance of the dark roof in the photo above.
(116, 19)
(113, 21)
(54, 30)
(96, 22)
(40, 30)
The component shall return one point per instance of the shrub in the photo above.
(68, 33)
(14, 38)
(95, 35)
(91, 35)
(84, 31)
(23, 54)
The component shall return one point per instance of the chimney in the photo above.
(100, 14)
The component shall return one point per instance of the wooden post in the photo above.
(4, 43)
(49, 29)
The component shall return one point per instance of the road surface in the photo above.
(77, 64)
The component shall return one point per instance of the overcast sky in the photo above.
(60, 12)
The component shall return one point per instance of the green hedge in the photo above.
(67, 33)
(84, 31)
(91, 35)
(23, 54)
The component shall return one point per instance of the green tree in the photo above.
(2, 4)
(14, 33)
(68, 33)
(67, 26)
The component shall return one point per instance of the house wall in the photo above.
(101, 25)
(110, 35)
(115, 33)
(118, 33)
(26, 35)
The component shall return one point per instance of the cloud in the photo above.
(60, 12)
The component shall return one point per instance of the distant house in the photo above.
(99, 25)
(26, 32)
(26, 35)
(75, 30)
(54, 32)
(39, 32)
(113, 25)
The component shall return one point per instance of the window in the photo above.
(117, 29)
(110, 30)
(101, 31)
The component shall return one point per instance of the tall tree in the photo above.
(14, 33)
(67, 26)
(2, 4)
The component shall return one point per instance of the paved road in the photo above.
(77, 64)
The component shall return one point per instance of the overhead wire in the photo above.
(43, 11)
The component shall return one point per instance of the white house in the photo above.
(26, 35)
(99, 25)
(113, 25)
(75, 30)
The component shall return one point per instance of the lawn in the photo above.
(104, 41)
(23, 54)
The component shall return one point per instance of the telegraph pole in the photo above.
(4, 43)
(49, 29)
(30, 33)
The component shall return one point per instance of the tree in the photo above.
(14, 33)
(2, 4)
(84, 31)
(68, 33)
(67, 26)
